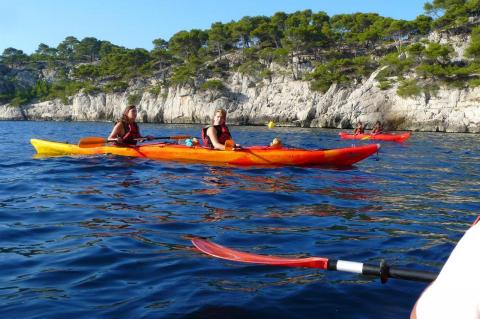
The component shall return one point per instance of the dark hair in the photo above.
(124, 117)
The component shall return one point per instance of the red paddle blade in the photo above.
(222, 252)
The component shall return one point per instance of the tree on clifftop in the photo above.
(14, 57)
(452, 13)
(219, 38)
(44, 53)
(186, 44)
(66, 49)
(88, 49)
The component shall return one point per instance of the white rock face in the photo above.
(280, 99)
(8, 112)
(459, 42)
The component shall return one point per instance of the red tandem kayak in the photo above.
(379, 137)
(248, 156)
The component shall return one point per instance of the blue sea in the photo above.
(109, 237)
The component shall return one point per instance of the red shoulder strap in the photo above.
(204, 136)
(476, 220)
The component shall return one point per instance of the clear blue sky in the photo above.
(24, 24)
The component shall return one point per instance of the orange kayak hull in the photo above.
(249, 156)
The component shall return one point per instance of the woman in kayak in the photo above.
(378, 128)
(359, 129)
(456, 291)
(126, 131)
(217, 134)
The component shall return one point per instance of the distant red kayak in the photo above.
(380, 137)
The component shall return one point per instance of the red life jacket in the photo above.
(359, 130)
(132, 132)
(223, 134)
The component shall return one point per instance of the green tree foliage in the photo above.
(438, 53)
(66, 49)
(395, 65)
(213, 85)
(399, 31)
(160, 54)
(87, 72)
(409, 88)
(270, 31)
(473, 50)
(186, 44)
(186, 73)
(126, 63)
(252, 68)
(106, 48)
(44, 53)
(241, 30)
(115, 86)
(134, 98)
(269, 55)
(219, 38)
(341, 71)
(452, 13)
(88, 50)
(344, 48)
(352, 29)
(422, 24)
(13, 57)
(304, 31)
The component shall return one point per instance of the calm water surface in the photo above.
(108, 237)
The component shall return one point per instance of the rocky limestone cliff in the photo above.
(281, 99)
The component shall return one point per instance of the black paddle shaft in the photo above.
(384, 271)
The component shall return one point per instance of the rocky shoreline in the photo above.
(281, 99)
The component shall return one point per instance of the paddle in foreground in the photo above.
(383, 270)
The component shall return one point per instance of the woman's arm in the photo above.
(211, 132)
(116, 131)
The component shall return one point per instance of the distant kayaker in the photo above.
(359, 129)
(378, 128)
(126, 131)
(217, 134)
(456, 291)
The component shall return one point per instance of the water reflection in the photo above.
(277, 279)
